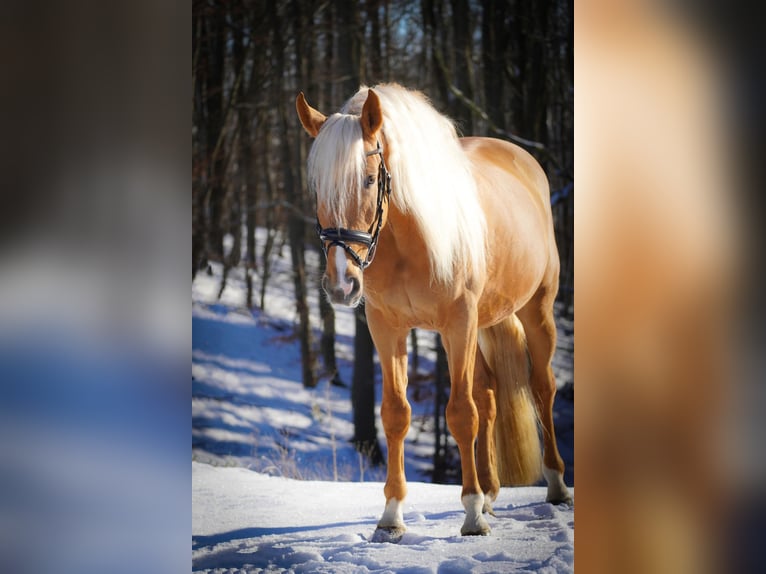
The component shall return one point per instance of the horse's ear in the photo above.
(372, 116)
(311, 119)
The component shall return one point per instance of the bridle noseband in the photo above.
(341, 237)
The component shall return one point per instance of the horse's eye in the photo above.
(369, 181)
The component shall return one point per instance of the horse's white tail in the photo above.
(517, 444)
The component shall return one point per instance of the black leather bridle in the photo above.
(341, 237)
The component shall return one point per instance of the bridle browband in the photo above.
(341, 237)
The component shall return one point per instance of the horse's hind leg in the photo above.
(484, 386)
(460, 342)
(540, 329)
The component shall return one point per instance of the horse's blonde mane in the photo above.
(430, 174)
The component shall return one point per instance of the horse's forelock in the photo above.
(336, 165)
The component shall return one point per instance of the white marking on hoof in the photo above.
(557, 490)
(474, 524)
(392, 515)
(391, 525)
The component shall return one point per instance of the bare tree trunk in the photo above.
(252, 120)
(530, 98)
(270, 216)
(296, 237)
(440, 402)
(432, 29)
(250, 198)
(349, 46)
(215, 41)
(415, 360)
(231, 212)
(463, 76)
(231, 208)
(268, 247)
(198, 143)
(494, 46)
(295, 225)
(375, 56)
(327, 343)
(326, 94)
(387, 36)
(363, 392)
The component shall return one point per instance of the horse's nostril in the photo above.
(354, 285)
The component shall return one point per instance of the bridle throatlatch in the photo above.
(341, 237)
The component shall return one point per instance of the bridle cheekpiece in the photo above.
(341, 237)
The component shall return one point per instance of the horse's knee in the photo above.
(462, 418)
(395, 416)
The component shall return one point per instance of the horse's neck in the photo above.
(400, 250)
(403, 235)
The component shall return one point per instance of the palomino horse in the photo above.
(461, 234)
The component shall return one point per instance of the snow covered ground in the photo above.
(244, 519)
(276, 485)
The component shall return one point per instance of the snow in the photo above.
(276, 484)
(244, 519)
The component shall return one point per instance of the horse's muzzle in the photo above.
(348, 294)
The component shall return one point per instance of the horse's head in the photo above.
(349, 175)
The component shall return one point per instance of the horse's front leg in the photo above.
(391, 344)
(460, 339)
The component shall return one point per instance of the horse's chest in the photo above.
(410, 302)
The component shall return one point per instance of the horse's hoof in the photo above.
(392, 534)
(487, 509)
(478, 527)
(562, 500)
(470, 532)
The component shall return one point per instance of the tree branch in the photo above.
(493, 127)
(474, 107)
(296, 211)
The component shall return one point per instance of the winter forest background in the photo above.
(94, 318)
(497, 68)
